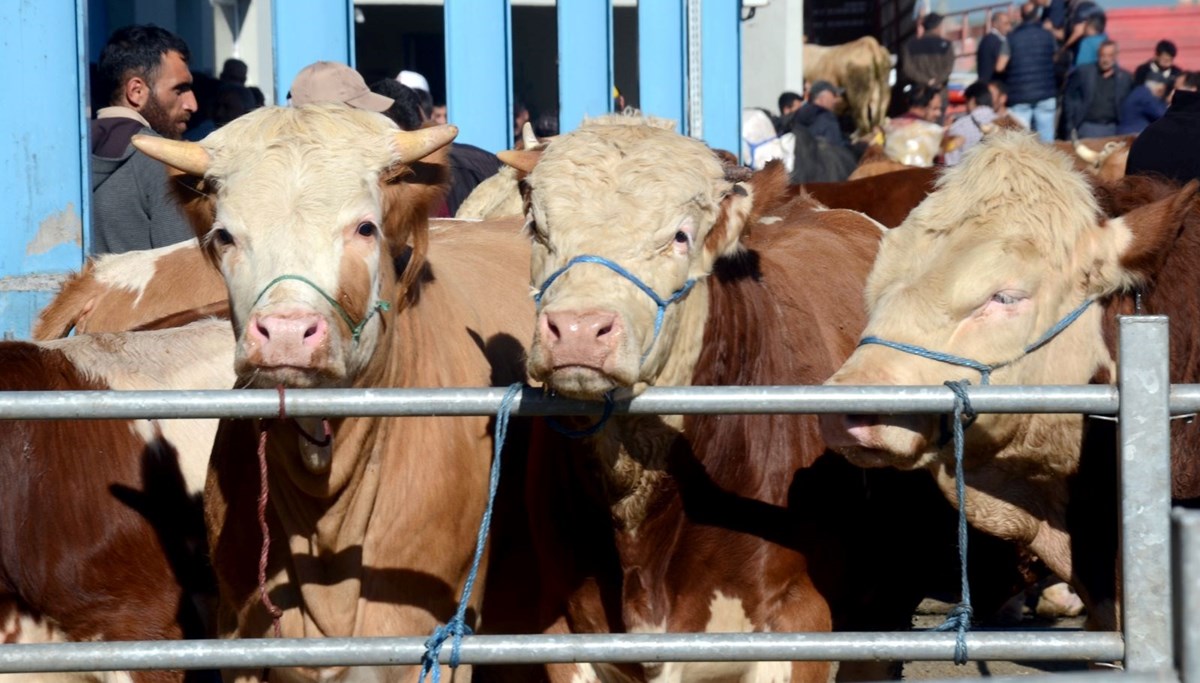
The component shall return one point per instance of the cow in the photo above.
(705, 523)
(886, 198)
(103, 534)
(1106, 157)
(120, 292)
(1010, 242)
(497, 196)
(863, 67)
(318, 228)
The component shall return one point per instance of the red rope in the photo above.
(263, 498)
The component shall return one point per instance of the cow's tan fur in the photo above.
(861, 67)
(1015, 216)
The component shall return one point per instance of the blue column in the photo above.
(43, 154)
(479, 72)
(721, 42)
(662, 59)
(584, 61)
(307, 31)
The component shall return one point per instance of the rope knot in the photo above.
(456, 628)
(962, 402)
(959, 619)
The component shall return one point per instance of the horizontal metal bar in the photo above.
(673, 647)
(260, 403)
(1185, 398)
(1164, 676)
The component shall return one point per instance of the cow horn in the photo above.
(188, 157)
(521, 159)
(1086, 153)
(418, 144)
(527, 137)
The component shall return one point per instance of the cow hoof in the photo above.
(1059, 601)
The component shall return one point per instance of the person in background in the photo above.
(439, 113)
(546, 125)
(978, 121)
(789, 102)
(234, 71)
(1032, 90)
(406, 104)
(1163, 64)
(1093, 37)
(1144, 105)
(1170, 146)
(1092, 102)
(144, 70)
(335, 82)
(928, 60)
(991, 58)
(817, 114)
(915, 138)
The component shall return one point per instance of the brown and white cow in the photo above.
(120, 292)
(1010, 242)
(706, 523)
(103, 537)
(373, 531)
(887, 198)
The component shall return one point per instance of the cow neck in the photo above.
(632, 451)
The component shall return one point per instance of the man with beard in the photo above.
(145, 71)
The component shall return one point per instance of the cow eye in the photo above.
(1004, 298)
(367, 229)
(223, 237)
(681, 237)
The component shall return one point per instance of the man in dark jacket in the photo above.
(144, 70)
(928, 60)
(1030, 74)
(1145, 104)
(817, 114)
(1163, 64)
(1092, 102)
(993, 54)
(1171, 145)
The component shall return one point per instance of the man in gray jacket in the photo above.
(144, 69)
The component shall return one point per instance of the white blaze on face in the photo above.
(646, 200)
(298, 198)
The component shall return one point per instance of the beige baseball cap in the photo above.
(334, 82)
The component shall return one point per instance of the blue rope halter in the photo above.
(457, 627)
(660, 302)
(959, 619)
(355, 328)
(985, 370)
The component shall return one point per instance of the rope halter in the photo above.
(356, 329)
(660, 302)
(985, 370)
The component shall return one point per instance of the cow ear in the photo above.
(742, 206)
(1152, 230)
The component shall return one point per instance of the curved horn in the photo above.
(1087, 153)
(521, 159)
(188, 157)
(413, 145)
(527, 137)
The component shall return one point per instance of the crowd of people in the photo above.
(1050, 68)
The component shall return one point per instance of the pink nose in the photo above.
(289, 338)
(580, 338)
(841, 431)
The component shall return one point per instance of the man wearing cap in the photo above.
(334, 82)
(928, 60)
(817, 114)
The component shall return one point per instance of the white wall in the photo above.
(772, 45)
(242, 29)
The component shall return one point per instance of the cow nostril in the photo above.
(262, 329)
(604, 330)
(553, 330)
(312, 330)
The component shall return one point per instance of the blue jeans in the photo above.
(1039, 116)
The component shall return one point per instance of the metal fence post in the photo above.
(1187, 594)
(1145, 473)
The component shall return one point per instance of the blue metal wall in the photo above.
(584, 61)
(479, 71)
(722, 68)
(43, 153)
(662, 59)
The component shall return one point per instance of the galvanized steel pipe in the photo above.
(699, 647)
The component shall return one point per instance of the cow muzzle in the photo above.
(578, 352)
(294, 338)
(899, 441)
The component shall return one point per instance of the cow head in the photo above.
(1009, 244)
(627, 219)
(303, 231)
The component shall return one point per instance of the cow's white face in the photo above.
(297, 238)
(647, 200)
(1010, 243)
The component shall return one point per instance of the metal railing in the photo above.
(1143, 400)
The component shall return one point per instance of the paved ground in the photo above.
(931, 613)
